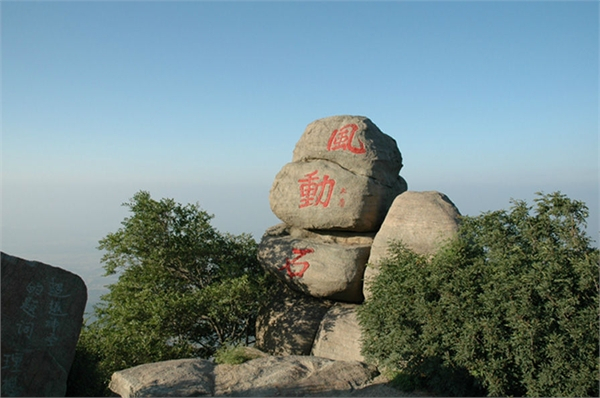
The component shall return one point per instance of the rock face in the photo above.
(316, 264)
(423, 221)
(262, 377)
(339, 336)
(289, 324)
(42, 314)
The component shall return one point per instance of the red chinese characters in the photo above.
(294, 262)
(342, 139)
(315, 191)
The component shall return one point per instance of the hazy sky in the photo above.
(204, 102)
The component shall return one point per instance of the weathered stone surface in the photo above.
(292, 376)
(423, 221)
(42, 314)
(339, 336)
(262, 377)
(323, 270)
(288, 325)
(322, 195)
(175, 378)
(353, 142)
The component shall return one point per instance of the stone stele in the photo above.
(42, 314)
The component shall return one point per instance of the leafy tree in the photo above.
(509, 307)
(184, 289)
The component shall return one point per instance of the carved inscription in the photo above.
(42, 310)
(343, 139)
(296, 263)
(315, 191)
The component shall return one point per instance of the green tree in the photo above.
(509, 307)
(184, 289)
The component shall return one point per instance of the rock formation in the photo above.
(42, 315)
(334, 200)
(342, 203)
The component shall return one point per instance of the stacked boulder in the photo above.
(332, 199)
(342, 203)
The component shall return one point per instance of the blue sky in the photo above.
(204, 102)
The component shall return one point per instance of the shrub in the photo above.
(184, 290)
(235, 355)
(509, 307)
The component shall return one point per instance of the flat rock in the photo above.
(261, 377)
(292, 376)
(175, 378)
(339, 335)
(423, 221)
(318, 265)
(42, 315)
(353, 142)
(289, 324)
(320, 194)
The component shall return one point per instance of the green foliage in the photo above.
(87, 378)
(234, 355)
(509, 307)
(184, 289)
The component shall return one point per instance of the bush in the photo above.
(509, 307)
(235, 355)
(184, 290)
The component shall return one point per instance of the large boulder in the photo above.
(289, 323)
(261, 377)
(339, 336)
(353, 142)
(319, 265)
(42, 315)
(320, 194)
(422, 221)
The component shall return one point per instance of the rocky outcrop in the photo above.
(262, 377)
(339, 335)
(42, 315)
(342, 202)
